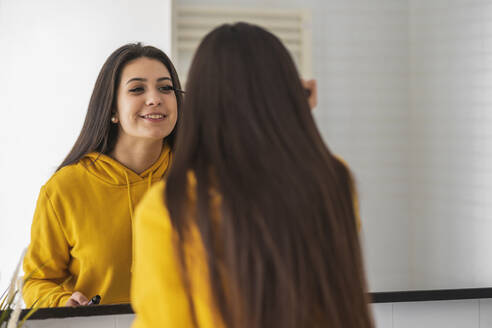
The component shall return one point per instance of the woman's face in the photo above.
(146, 106)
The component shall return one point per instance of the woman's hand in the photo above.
(77, 299)
(310, 86)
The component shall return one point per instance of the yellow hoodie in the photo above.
(158, 293)
(81, 234)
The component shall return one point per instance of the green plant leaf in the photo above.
(5, 316)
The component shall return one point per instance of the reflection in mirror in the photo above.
(81, 232)
(124, 147)
(402, 98)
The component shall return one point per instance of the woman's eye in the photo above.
(166, 89)
(136, 90)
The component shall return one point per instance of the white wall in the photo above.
(51, 53)
(451, 81)
(362, 67)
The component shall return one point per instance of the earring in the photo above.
(114, 119)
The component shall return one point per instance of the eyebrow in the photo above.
(145, 80)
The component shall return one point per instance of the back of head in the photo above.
(286, 251)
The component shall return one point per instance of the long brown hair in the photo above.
(286, 251)
(98, 133)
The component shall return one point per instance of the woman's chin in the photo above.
(156, 136)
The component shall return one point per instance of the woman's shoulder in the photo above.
(355, 200)
(66, 177)
(343, 168)
(341, 161)
(153, 204)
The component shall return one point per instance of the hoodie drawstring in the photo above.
(130, 203)
(150, 181)
(130, 206)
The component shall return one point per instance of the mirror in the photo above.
(403, 97)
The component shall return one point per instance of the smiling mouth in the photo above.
(153, 116)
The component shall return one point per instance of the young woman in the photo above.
(81, 235)
(255, 226)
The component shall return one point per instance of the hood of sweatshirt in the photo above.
(113, 172)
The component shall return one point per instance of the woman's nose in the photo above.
(153, 100)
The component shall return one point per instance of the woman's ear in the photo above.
(114, 118)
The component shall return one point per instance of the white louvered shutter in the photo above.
(192, 23)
